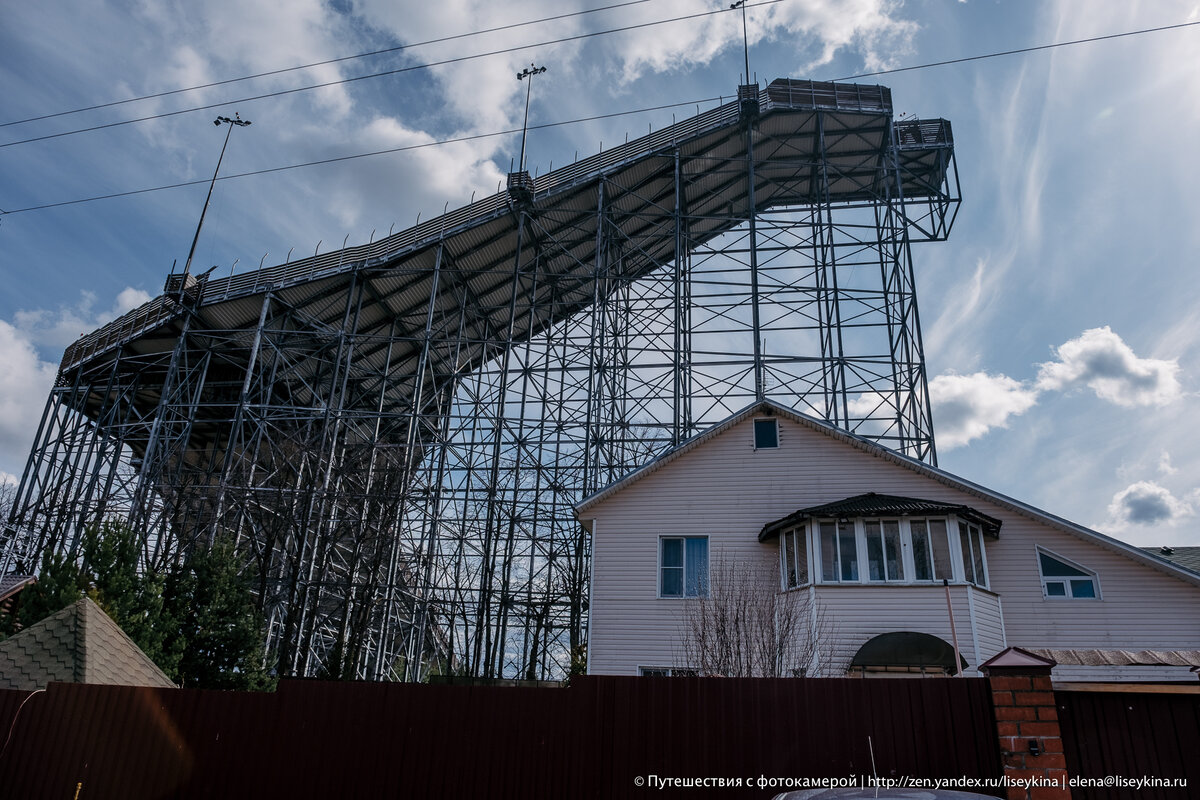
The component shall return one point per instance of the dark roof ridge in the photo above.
(870, 504)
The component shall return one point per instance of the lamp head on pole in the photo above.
(236, 120)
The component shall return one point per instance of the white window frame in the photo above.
(958, 566)
(754, 433)
(798, 534)
(818, 563)
(671, 672)
(904, 539)
(1064, 580)
(659, 568)
(910, 550)
(961, 565)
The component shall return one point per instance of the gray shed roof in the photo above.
(1120, 658)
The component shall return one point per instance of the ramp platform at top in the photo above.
(812, 143)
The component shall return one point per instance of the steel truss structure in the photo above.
(396, 434)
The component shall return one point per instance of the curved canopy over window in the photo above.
(876, 505)
(906, 649)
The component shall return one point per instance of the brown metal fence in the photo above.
(597, 738)
(1132, 736)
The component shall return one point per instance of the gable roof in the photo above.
(872, 505)
(770, 408)
(79, 644)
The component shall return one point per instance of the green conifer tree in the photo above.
(215, 627)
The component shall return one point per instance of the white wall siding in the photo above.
(990, 631)
(861, 613)
(726, 490)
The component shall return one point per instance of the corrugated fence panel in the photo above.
(1133, 736)
(597, 739)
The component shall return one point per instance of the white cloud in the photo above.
(1147, 503)
(129, 299)
(966, 407)
(53, 330)
(820, 28)
(1101, 361)
(1164, 464)
(23, 391)
(869, 403)
(25, 342)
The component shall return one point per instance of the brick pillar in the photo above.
(1025, 713)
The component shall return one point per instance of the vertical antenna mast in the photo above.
(745, 36)
(241, 123)
(528, 72)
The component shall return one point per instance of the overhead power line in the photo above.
(578, 120)
(326, 62)
(1019, 50)
(396, 71)
(355, 156)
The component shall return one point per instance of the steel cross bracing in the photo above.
(396, 434)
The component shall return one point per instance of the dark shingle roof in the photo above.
(1186, 557)
(11, 584)
(876, 505)
(79, 644)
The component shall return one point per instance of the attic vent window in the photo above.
(766, 434)
(1060, 578)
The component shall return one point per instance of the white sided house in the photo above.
(876, 541)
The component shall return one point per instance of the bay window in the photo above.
(885, 550)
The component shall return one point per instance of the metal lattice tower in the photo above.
(395, 434)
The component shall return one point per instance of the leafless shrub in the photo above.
(745, 627)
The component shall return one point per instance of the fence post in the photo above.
(1027, 725)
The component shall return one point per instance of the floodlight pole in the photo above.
(745, 36)
(241, 123)
(528, 72)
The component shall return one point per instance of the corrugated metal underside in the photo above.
(697, 168)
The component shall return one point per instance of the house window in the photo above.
(885, 561)
(766, 434)
(889, 551)
(666, 672)
(970, 539)
(1060, 578)
(683, 566)
(839, 552)
(931, 550)
(794, 552)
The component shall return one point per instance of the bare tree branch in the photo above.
(746, 628)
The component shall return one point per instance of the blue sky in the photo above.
(1061, 319)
